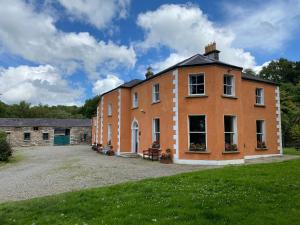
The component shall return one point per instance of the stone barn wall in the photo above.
(15, 136)
(77, 135)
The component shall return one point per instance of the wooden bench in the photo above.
(152, 154)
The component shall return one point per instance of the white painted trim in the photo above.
(278, 112)
(97, 127)
(175, 114)
(119, 120)
(101, 120)
(191, 74)
(135, 121)
(209, 162)
(260, 156)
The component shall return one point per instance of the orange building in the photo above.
(206, 111)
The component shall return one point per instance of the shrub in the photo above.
(5, 149)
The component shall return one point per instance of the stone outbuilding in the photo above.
(42, 132)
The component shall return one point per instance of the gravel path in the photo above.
(51, 170)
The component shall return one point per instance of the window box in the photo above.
(197, 147)
(231, 148)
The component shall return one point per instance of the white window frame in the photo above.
(189, 84)
(155, 93)
(109, 109)
(259, 99)
(228, 85)
(154, 131)
(135, 100)
(205, 132)
(263, 133)
(109, 132)
(234, 132)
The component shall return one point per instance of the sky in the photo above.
(62, 52)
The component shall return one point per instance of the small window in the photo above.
(35, 128)
(135, 102)
(259, 96)
(260, 134)
(230, 132)
(45, 136)
(26, 136)
(229, 85)
(155, 93)
(196, 84)
(109, 109)
(109, 132)
(156, 130)
(197, 133)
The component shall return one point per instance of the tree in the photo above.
(5, 149)
(89, 109)
(250, 72)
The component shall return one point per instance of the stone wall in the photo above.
(77, 135)
(15, 136)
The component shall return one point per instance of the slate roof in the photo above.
(131, 83)
(256, 78)
(42, 122)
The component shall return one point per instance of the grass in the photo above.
(252, 194)
(15, 158)
(291, 151)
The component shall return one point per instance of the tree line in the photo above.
(26, 110)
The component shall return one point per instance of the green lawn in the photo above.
(291, 151)
(15, 158)
(252, 194)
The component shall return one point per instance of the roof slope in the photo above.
(44, 122)
(246, 76)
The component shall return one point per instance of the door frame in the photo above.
(133, 142)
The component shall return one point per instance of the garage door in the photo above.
(61, 139)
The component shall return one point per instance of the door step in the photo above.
(129, 155)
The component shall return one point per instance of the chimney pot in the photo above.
(211, 51)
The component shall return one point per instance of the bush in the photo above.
(5, 149)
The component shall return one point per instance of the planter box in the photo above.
(166, 161)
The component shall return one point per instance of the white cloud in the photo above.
(170, 61)
(266, 26)
(41, 84)
(186, 30)
(99, 13)
(106, 84)
(33, 36)
(257, 69)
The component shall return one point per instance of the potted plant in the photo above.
(201, 147)
(166, 157)
(230, 147)
(192, 147)
(156, 144)
(261, 144)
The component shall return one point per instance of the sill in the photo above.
(197, 152)
(197, 96)
(261, 149)
(155, 102)
(26, 140)
(260, 105)
(231, 152)
(109, 115)
(134, 107)
(229, 96)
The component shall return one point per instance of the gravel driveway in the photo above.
(51, 170)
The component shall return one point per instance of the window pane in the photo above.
(197, 138)
(229, 138)
(200, 79)
(200, 89)
(228, 90)
(156, 125)
(193, 79)
(197, 123)
(228, 124)
(259, 128)
(259, 138)
(193, 89)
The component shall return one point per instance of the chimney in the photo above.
(149, 72)
(211, 51)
